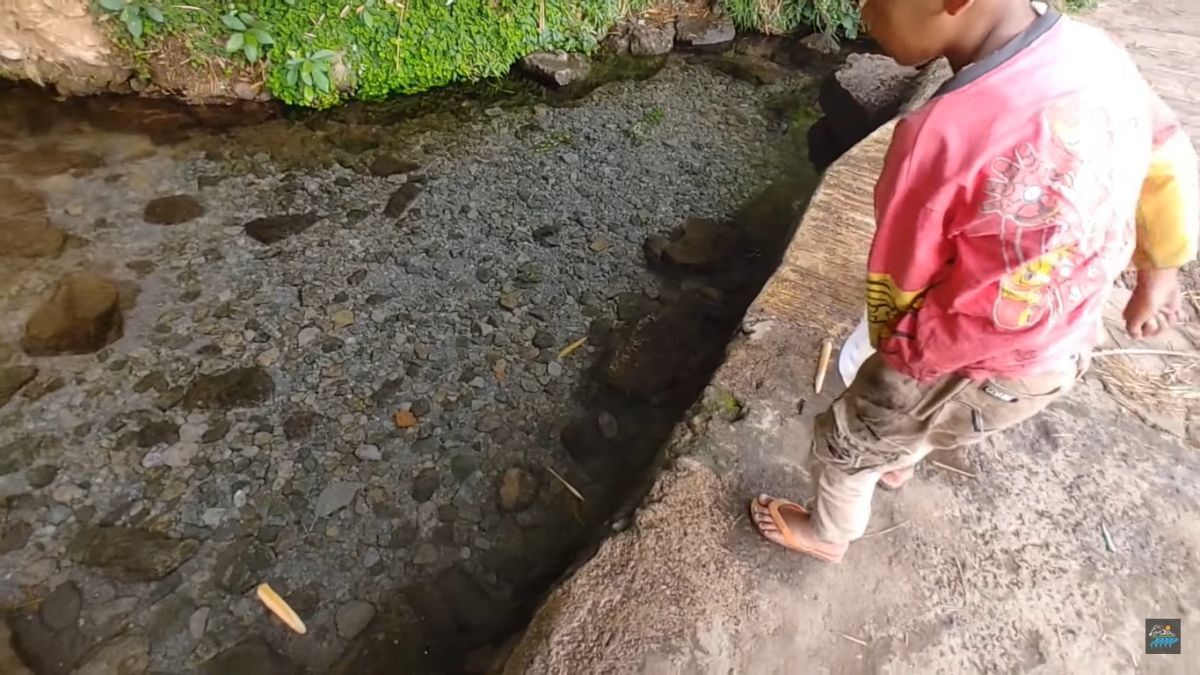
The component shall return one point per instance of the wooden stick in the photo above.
(951, 469)
(1145, 352)
(570, 349)
(851, 638)
(577, 493)
(886, 530)
(823, 365)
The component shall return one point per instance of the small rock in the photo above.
(239, 567)
(274, 229)
(863, 95)
(706, 30)
(652, 39)
(425, 485)
(14, 536)
(750, 69)
(126, 655)
(251, 657)
(180, 455)
(129, 553)
(544, 339)
(234, 388)
(368, 453)
(25, 224)
(822, 43)
(307, 335)
(217, 430)
(554, 369)
(371, 558)
(404, 419)
(489, 423)
(198, 622)
(12, 379)
(607, 422)
(600, 244)
(388, 165)
(517, 490)
(40, 476)
(60, 610)
(426, 554)
(160, 432)
(353, 617)
(402, 200)
(192, 433)
(68, 493)
(463, 466)
(83, 315)
(335, 497)
(59, 514)
(342, 318)
(172, 210)
(556, 69)
(510, 300)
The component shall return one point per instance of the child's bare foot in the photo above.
(894, 480)
(789, 525)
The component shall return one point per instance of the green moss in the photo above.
(383, 47)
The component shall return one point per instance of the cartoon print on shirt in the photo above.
(886, 302)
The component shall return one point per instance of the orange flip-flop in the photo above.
(774, 506)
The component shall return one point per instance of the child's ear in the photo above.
(956, 7)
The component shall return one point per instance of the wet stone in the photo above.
(251, 657)
(544, 339)
(352, 618)
(41, 476)
(300, 424)
(60, 609)
(517, 490)
(173, 210)
(387, 165)
(235, 388)
(239, 566)
(12, 379)
(274, 229)
(155, 380)
(402, 200)
(83, 315)
(157, 433)
(14, 535)
(217, 430)
(425, 485)
(335, 497)
(462, 466)
(129, 553)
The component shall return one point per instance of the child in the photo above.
(1007, 207)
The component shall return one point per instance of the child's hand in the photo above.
(1156, 303)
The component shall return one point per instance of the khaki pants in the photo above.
(887, 421)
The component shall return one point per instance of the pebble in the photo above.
(353, 617)
(180, 455)
(342, 318)
(308, 335)
(59, 514)
(193, 433)
(268, 357)
(67, 493)
(198, 622)
(426, 554)
(370, 558)
(213, 517)
(369, 453)
(554, 369)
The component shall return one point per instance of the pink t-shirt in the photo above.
(1006, 207)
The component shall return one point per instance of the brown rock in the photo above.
(404, 419)
(652, 39)
(130, 554)
(25, 229)
(173, 210)
(517, 490)
(556, 69)
(12, 378)
(234, 388)
(53, 161)
(83, 315)
(699, 244)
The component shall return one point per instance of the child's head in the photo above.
(916, 31)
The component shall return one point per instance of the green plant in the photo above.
(837, 18)
(133, 14)
(250, 36)
(310, 74)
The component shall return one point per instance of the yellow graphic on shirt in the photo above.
(886, 302)
(1029, 291)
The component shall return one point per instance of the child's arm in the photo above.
(909, 247)
(1168, 226)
